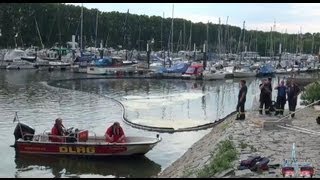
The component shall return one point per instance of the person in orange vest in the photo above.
(115, 134)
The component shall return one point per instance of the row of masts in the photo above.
(187, 46)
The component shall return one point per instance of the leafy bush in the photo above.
(311, 93)
(222, 160)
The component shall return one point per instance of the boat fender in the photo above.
(318, 119)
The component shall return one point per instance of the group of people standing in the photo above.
(287, 92)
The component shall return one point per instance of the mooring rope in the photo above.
(296, 128)
(288, 115)
(299, 130)
(139, 126)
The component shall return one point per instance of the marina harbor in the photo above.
(159, 90)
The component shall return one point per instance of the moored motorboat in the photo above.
(281, 71)
(213, 74)
(244, 72)
(194, 71)
(79, 143)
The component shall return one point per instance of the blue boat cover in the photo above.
(103, 62)
(266, 69)
(177, 68)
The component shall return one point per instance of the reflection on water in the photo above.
(136, 166)
(169, 103)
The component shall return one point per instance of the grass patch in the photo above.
(221, 161)
(243, 145)
(225, 126)
(187, 173)
(253, 149)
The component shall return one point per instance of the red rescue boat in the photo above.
(79, 143)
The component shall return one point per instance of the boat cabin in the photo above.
(195, 69)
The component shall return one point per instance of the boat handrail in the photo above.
(46, 131)
(95, 135)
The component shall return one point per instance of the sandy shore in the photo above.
(276, 144)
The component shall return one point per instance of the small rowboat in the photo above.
(79, 143)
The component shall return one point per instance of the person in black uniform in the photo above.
(269, 100)
(241, 100)
(292, 91)
(265, 95)
(281, 98)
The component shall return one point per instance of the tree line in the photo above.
(22, 24)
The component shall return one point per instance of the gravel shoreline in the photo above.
(252, 139)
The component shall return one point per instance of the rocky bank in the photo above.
(251, 138)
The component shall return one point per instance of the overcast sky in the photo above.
(261, 16)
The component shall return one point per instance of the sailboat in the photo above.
(81, 62)
(210, 72)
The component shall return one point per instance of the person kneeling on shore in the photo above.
(115, 134)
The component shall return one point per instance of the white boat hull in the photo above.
(244, 74)
(110, 70)
(213, 76)
(25, 66)
(122, 69)
(96, 70)
(281, 71)
(78, 69)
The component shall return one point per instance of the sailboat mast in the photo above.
(59, 24)
(39, 32)
(190, 37)
(219, 30)
(81, 27)
(184, 35)
(244, 34)
(226, 35)
(95, 42)
(271, 50)
(256, 40)
(207, 43)
(161, 30)
(172, 29)
(179, 41)
(274, 41)
(312, 47)
(301, 40)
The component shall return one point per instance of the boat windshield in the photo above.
(190, 70)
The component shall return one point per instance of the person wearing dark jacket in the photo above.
(269, 101)
(281, 98)
(241, 100)
(265, 95)
(292, 93)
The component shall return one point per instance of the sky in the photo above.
(290, 17)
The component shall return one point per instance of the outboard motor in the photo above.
(23, 131)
